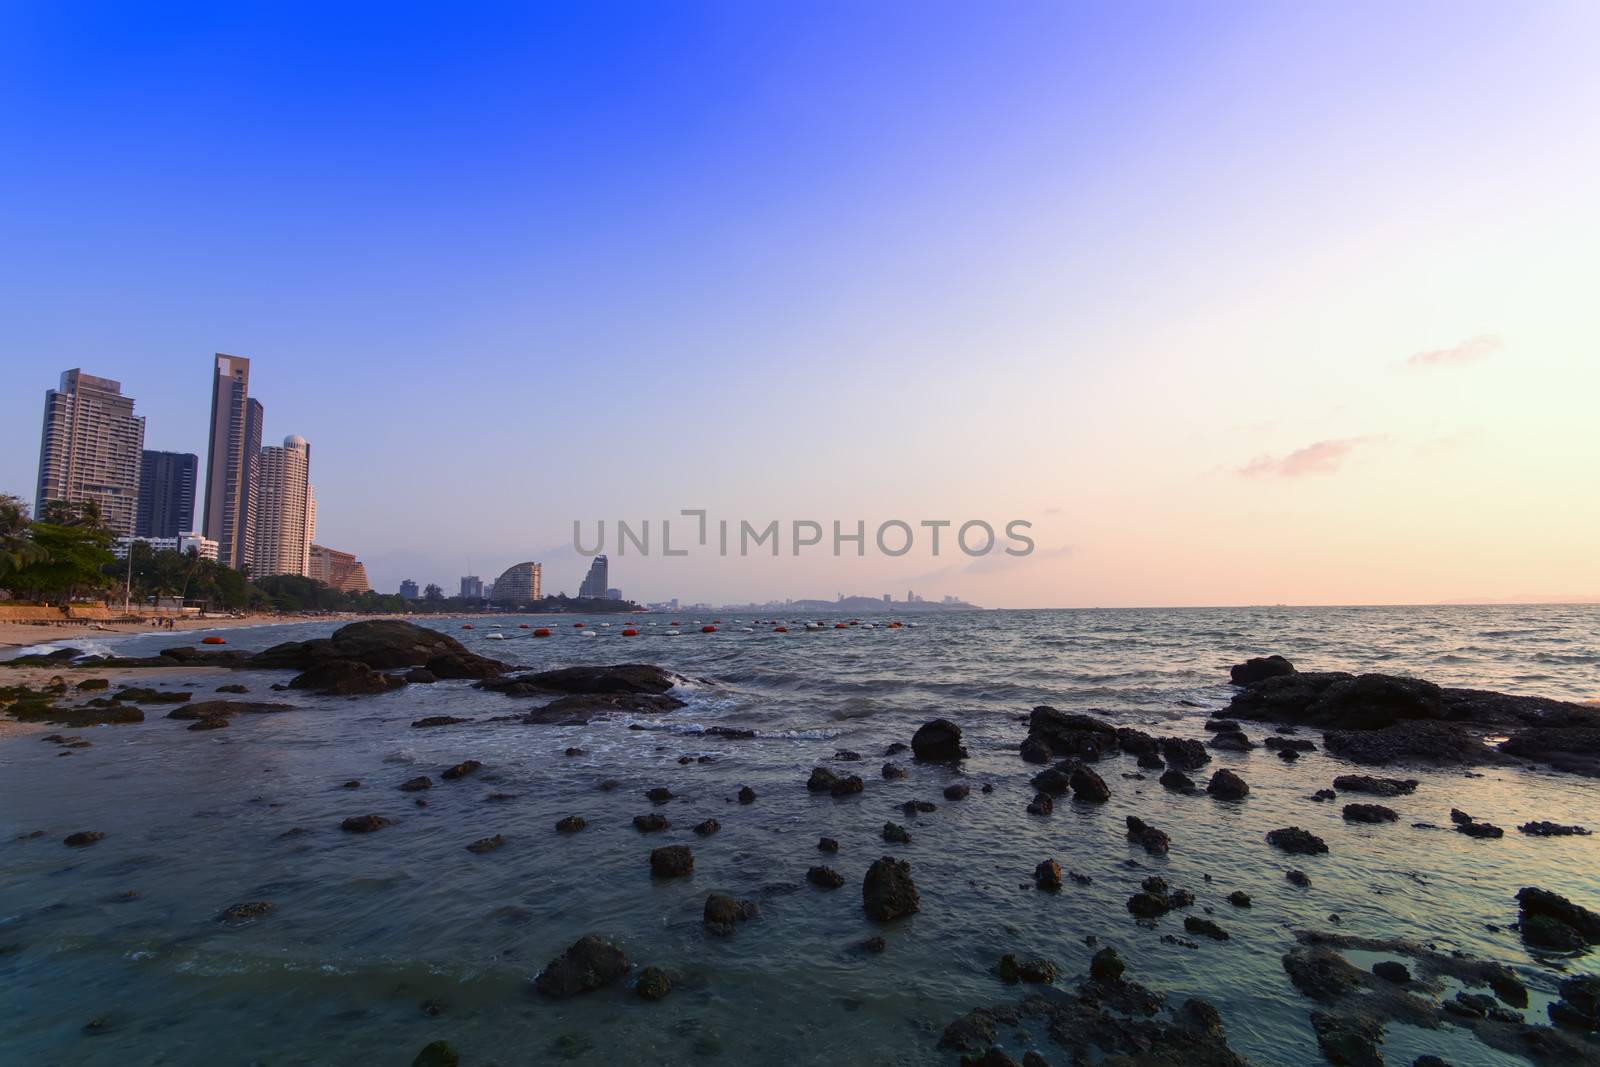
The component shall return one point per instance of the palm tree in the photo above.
(17, 547)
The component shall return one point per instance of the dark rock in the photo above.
(437, 1054)
(382, 645)
(1288, 755)
(747, 795)
(673, 861)
(845, 755)
(137, 695)
(659, 795)
(354, 783)
(1232, 741)
(707, 828)
(1184, 753)
(1324, 795)
(847, 786)
(1106, 966)
(1372, 813)
(588, 965)
(1551, 829)
(894, 833)
(1151, 762)
(653, 984)
(958, 791)
(1142, 833)
(1350, 1041)
(1239, 898)
(1225, 785)
(591, 679)
(821, 780)
(887, 891)
(1289, 744)
(1392, 971)
(486, 844)
(938, 741)
(1047, 876)
(343, 677)
(571, 824)
(1480, 829)
(1298, 878)
(1041, 805)
(215, 722)
(438, 720)
(896, 748)
(460, 770)
(1067, 734)
(827, 844)
(230, 689)
(650, 823)
(1259, 669)
(82, 838)
(825, 877)
(222, 709)
(1221, 725)
(874, 945)
(1177, 781)
(892, 771)
(721, 913)
(1036, 751)
(251, 909)
(1535, 902)
(1089, 787)
(364, 824)
(1296, 841)
(419, 676)
(1055, 780)
(574, 751)
(417, 784)
(1204, 927)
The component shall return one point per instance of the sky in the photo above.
(1234, 303)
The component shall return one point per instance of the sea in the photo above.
(381, 943)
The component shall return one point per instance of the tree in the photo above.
(433, 594)
(72, 549)
(17, 547)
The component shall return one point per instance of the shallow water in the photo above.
(370, 927)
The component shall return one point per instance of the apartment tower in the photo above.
(90, 449)
(231, 462)
(166, 494)
(286, 509)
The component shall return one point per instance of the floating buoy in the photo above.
(894, 625)
(840, 626)
(630, 632)
(675, 622)
(466, 626)
(719, 620)
(708, 629)
(543, 631)
(587, 633)
(212, 641)
(496, 637)
(674, 633)
(780, 629)
(747, 629)
(577, 626)
(522, 626)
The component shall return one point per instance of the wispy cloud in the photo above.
(1319, 457)
(1459, 356)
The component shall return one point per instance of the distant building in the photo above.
(888, 599)
(90, 449)
(231, 456)
(613, 594)
(166, 493)
(204, 547)
(471, 587)
(519, 584)
(337, 570)
(596, 582)
(408, 590)
(286, 510)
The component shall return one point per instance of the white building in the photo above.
(286, 510)
(206, 547)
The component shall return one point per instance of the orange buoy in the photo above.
(894, 625)
(630, 632)
(466, 626)
(839, 626)
(543, 631)
(578, 625)
(675, 622)
(780, 629)
(212, 641)
(522, 626)
(708, 629)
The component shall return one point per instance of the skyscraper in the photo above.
(408, 589)
(518, 584)
(471, 587)
(231, 462)
(166, 494)
(594, 584)
(286, 509)
(341, 570)
(89, 448)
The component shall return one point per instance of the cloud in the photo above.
(1459, 356)
(1320, 457)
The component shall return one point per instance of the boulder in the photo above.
(673, 861)
(1296, 841)
(893, 772)
(747, 795)
(587, 965)
(722, 913)
(343, 677)
(1089, 787)
(571, 824)
(1536, 903)
(1184, 753)
(1378, 787)
(938, 741)
(957, 791)
(1152, 840)
(707, 828)
(1369, 813)
(1177, 781)
(653, 984)
(1047, 876)
(486, 844)
(1259, 669)
(650, 823)
(1071, 734)
(364, 824)
(1231, 741)
(896, 834)
(825, 877)
(460, 770)
(845, 787)
(1225, 785)
(821, 780)
(1204, 927)
(887, 891)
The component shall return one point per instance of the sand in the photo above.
(21, 634)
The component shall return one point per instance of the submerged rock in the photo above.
(893, 771)
(887, 891)
(1177, 781)
(845, 787)
(747, 795)
(460, 770)
(1551, 829)
(653, 984)
(827, 844)
(83, 838)
(894, 833)
(486, 844)
(1550, 920)
(364, 824)
(824, 877)
(587, 965)
(958, 791)
(650, 823)
(1069, 734)
(1184, 753)
(1204, 927)
(1296, 841)
(1047, 876)
(341, 677)
(571, 824)
(673, 861)
(707, 828)
(722, 912)
(821, 780)
(1369, 813)
(1142, 833)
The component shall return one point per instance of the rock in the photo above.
(1541, 903)
(573, 750)
(653, 984)
(438, 720)
(1474, 828)
(1324, 795)
(365, 824)
(571, 824)
(845, 787)
(938, 741)
(845, 755)
(1225, 785)
(1184, 753)
(1177, 781)
(887, 891)
(1088, 787)
(1392, 971)
(1288, 755)
(1232, 741)
(1298, 878)
(659, 795)
(1041, 805)
(1239, 898)
(1204, 927)
(1572, 748)
(893, 771)
(354, 783)
(821, 780)
(894, 833)
(417, 784)
(958, 791)
(1142, 833)
(222, 709)
(896, 748)
(1055, 780)
(1551, 829)
(1037, 970)
(342, 677)
(1036, 751)
(215, 722)
(83, 838)
(1296, 841)
(1047, 876)
(590, 679)
(1259, 669)
(419, 676)
(673, 861)
(651, 823)
(437, 1054)
(747, 795)
(460, 770)
(874, 945)
(250, 909)
(1151, 762)
(707, 828)
(138, 695)
(1579, 1004)
(827, 844)
(825, 877)
(1221, 725)
(1289, 744)
(1370, 813)
(227, 689)
(1106, 966)
(1353, 1042)
(721, 913)
(1379, 787)
(586, 966)
(919, 807)
(1065, 734)
(486, 844)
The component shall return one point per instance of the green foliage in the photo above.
(57, 557)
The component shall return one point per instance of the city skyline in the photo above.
(1269, 306)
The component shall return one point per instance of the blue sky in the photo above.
(511, 265)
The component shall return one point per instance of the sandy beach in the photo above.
(21, 634)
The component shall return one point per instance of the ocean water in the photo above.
(381, 943)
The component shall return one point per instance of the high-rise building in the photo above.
(231, 456)
(519, 584)
(166, 494)
(613, 594)
(471, 587)
(594, 584)
(90, 447)
(338, 570)
(286, 509)
(408, 589)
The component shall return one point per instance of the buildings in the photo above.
(285, 510)
(90, 448)
(166, 494)
(203, 546)
(518, 585)
(613, 594)
(408, 589)
(231, 458)
(594, 584)
(338, 570)
(471, 587)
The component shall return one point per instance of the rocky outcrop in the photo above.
(1297, 842)
(1259, 669)
(1152, 840)
(589, 964)
(344, 677)
(1378, 787)
(938, 741)
(1549, 920)
(382, 645)
(887, 891)
(1369, 813)
(1069, 734)
(1225, 785)
(673, 861)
